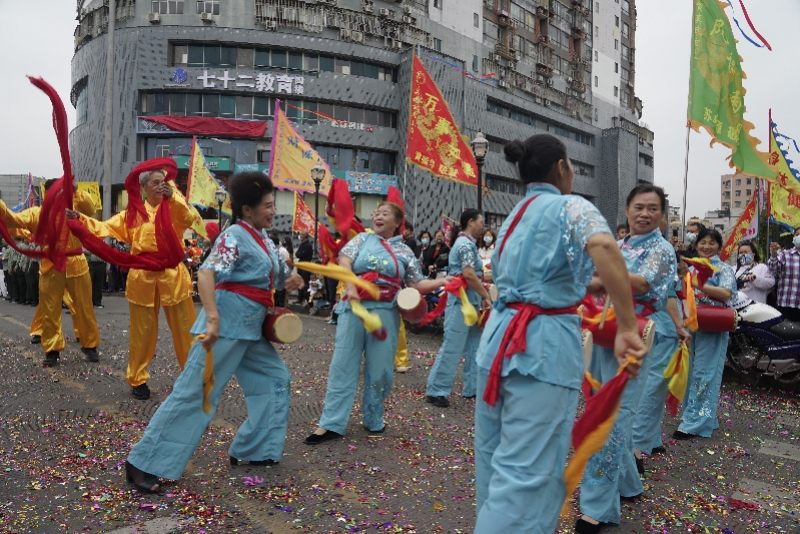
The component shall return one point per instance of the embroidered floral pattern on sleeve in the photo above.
(725, 278)
(405, 256)
(580, 220)
(351, 248)
(223, 256)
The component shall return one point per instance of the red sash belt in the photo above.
(647, 307)
(387, 290)
(453, 288)
(515, 341)
(262, 296)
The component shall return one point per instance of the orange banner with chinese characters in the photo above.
(741, 231)
(434, 141)
(303, 219)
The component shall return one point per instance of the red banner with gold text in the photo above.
(741, 231)
(303, 219)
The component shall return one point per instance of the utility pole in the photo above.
(107, 167)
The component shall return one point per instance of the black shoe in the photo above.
(381, 431)
(51, 359)
(682, 435)
(35, 340)
(99, 307)
(144, 482)
(141, 392)
(468, 396)
(635, 498)
(439, 402)
(659, 450)
(640, 466)
(235, 462)
(316, 439)
(584, 527)
(91, 354)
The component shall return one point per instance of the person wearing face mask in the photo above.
(436, 255)
(785, 265)
(692, 230)
(486, 246)
(753, 278)
(424, 243)
(699, 417)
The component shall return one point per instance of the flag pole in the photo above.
(685, 181)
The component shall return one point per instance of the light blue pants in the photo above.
(521, 447)
(353, 341)
(650, 412)
(612, 471)
(177, 426)
(459, 340)
(705, 379)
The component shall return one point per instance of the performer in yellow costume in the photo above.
(36, 324)
(52, 284)
(147, 291)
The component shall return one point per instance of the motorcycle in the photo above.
(764, 342)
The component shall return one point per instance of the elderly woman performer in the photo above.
(147, 291)
(383, 257)
(235, 283)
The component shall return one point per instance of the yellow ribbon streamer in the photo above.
(372, 321)
(691, 304)
(470, 315)
(339, 273)
(680, 380)
(208, 376)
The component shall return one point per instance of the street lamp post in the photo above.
(220, 195)
(480, 145)
(317, 175)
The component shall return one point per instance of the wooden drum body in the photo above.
(716, 319)
(605, 337)
(412, 305)
(282, 326)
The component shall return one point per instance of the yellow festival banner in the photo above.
(434, 141)
(93, 188)
(746, 228)
(293, 158)
(303, 219)
(201, 186)
(784, 198)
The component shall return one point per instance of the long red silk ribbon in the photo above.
(452, 288)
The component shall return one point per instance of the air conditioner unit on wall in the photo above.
(386, 12)
(503, 84)
(154, 18)
(271, 24)
(547, 103)
(497, 58)
(344, 34)
(368, 7)
(206, 17)
(356, 36)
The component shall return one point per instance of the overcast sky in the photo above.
(39, 42)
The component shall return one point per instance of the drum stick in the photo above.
(605, 312)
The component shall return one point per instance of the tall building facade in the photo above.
(341, 69)
(736, 190)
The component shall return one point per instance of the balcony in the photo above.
(577, 85)
(578, 6)
(545, 40)
(577, 32)
(545, 70)
(506, 51)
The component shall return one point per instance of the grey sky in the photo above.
(40, 43)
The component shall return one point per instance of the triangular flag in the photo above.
(303, 219)
(201, 186)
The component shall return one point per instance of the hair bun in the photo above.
(515, 151)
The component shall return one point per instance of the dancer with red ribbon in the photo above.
(157, 277)
(383, 259)
(530, 361)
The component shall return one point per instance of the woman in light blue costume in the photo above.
(245, 267)
(383, 259)
(528, 392)
(670, 332)
(460, 339)
(612, 473)
(699, 417)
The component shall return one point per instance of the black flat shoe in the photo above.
(659, 450)
(381, 431)
(584, 527)
(316, 439)
(682, 435)
(144, 482)
(35, 340)
(141, 392)
(640, 466)
(235, 462)
(91, 354)
(635, 498)
(439, 402)
(51, 359)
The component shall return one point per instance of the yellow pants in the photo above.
(401, 355)
(144, 336)
(52, 286)
(36, 325)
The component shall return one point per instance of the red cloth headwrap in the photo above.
(212, 231)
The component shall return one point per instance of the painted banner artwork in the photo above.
(746, 228)
(201, 187)
(434, 141)
(303, 219)
(447, 228)
(784, 197)
(716, 94)
(293, 158)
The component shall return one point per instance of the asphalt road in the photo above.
(65, 433)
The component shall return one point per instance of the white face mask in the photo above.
(796, 241)
(691, 238)
(488, 239)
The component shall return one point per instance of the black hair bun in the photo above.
(514, 150)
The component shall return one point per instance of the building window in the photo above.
(625, 99)
(171, 7)
(737, 204)
(625, 53)
(503, 185)
(476, 20)
(626, 74)
(597, 31)
(626, 7)
(738, 181)
(208, 6)
(597, 7)
(748, 192)
(82, 106)
(616, 67)
(596, 55)
(583, 169)
(596, 82)
(738, 192)
(616, 21)
(475, 63)
(437, 4)
(626, 30)
(749, 181)
(616, 91)
(616, 44)
(264, 156)
(437, 44)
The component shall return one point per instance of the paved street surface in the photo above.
(65, 433)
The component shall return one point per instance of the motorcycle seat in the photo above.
(787, 329)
